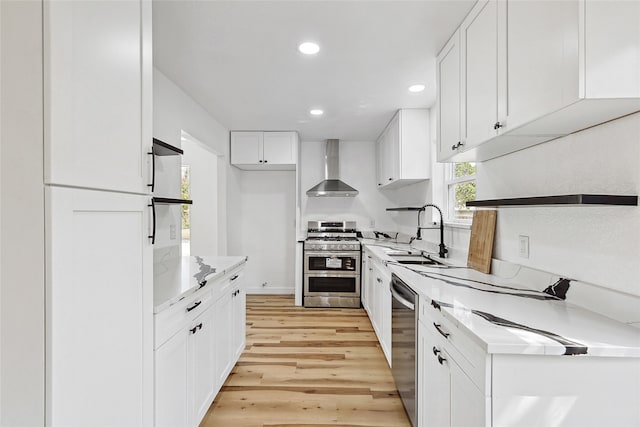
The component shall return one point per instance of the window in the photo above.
(460, 187)
(185, 190)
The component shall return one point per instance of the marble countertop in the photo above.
(516, 311)
(178, 277)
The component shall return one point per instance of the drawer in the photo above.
(176, 317)
(222, 285)
(469, 356)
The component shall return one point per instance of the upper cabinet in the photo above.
(533, 71)
(97, 89)
(403, 153)
(264, 150)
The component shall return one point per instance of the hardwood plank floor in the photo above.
(307, 367)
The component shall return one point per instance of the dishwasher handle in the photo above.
(401, 300)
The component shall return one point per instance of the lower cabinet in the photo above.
(461, 385)
(376, 281)
(206, 339)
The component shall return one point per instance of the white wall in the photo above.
(600, 245)
(358, 169)
(261, 214)
(22, 265)
(173, 112)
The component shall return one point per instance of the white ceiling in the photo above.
(239, 60)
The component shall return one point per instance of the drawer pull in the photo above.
(436, 305)
(193, 330)
(203, 284)
(199, 326)
(441, 360)
(435, 351)
(234, 277)
(194, 306)
(379, 280)
(444, 334)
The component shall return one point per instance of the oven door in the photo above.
(335, 263)
(331, 285)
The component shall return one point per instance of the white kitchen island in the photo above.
(199, 306)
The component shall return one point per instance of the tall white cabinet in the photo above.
(99, 286)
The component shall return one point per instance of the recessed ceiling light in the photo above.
(316, 112)
(416, 88)
(309, 48)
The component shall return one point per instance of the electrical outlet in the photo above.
(523, 246)
(172, 232)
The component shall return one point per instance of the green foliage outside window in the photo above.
(186, 194)
(465, 191)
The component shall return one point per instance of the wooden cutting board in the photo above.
(483, 230)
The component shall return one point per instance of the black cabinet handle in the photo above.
(234, 277)
(441, 360)
(259, 161)
(194, 306)
(153, 219)
(435, 351)
(379, 184)
(390, 179)
(436, 305)
(193, 330)
(203, 284)
(456, 146)
(265, 161)
(153, 169)
(199, 326)
(443, 333)
(497, 125)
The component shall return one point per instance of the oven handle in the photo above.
(330, 254)
(401, 300)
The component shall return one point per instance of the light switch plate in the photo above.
(523, 246)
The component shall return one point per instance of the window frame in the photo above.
(449, 182)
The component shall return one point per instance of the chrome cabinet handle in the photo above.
(443, 333)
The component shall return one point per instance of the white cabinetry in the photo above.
(533, 71)
(377, 301)
(99, 308)
(460, 384)
(97, 94)
(198, 341)
(448, 114)
(403, 149)
(264, 150)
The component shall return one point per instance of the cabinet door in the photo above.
(468, 403)
(279, 148)
(223, 343)
(99, 308)
(448, 75)
(171, 406)
(542, 58)
(380, 157)
(392, 150)
(201, 365)
(480, 83)
(246, 148)
(433, 381)
(239, 323)
(97, 90)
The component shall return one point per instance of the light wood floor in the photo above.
(307, 367)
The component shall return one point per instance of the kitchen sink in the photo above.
(399, 252)
(414, 259)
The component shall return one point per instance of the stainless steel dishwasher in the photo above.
(404, 345)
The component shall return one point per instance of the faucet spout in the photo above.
(442, 253)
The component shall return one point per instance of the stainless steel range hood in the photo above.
(332, 186)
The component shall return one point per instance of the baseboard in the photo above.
(270, 290)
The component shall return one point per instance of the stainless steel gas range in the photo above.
(331, 265)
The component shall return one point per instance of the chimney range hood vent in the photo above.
(332, 186)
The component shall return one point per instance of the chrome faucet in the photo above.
(443, 249)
